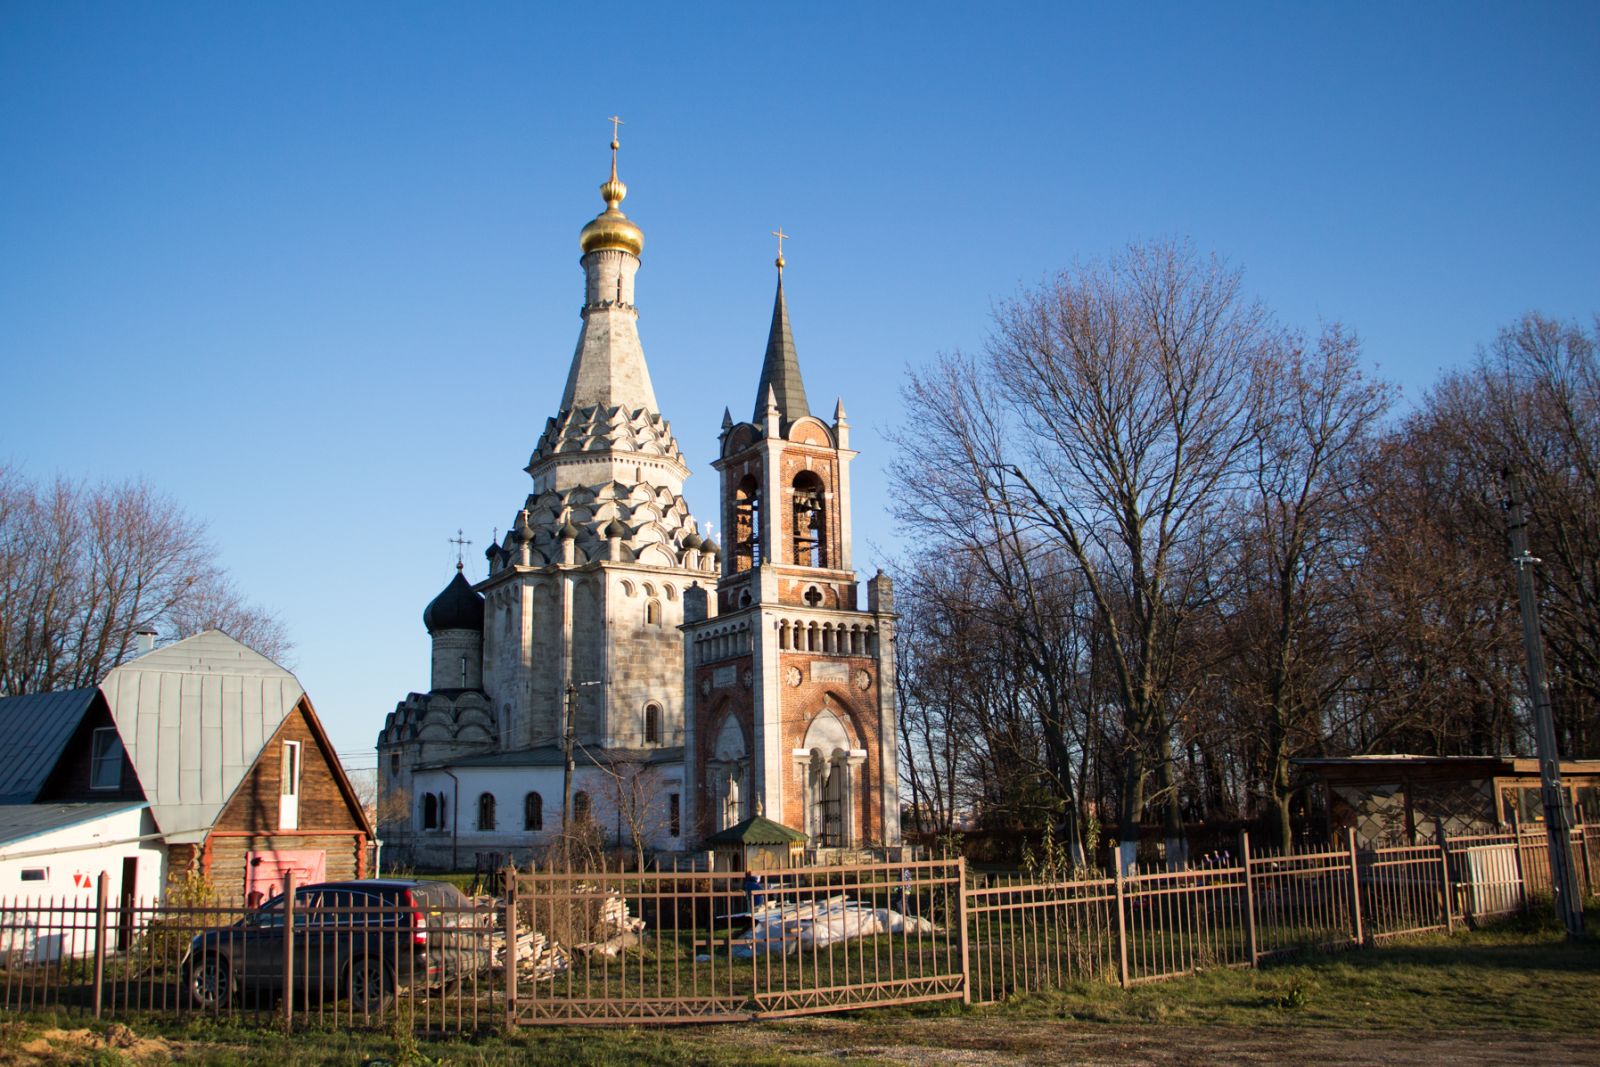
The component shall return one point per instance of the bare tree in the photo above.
(83, 569)
(1283, 610)
(639, 800)
(1136, 389)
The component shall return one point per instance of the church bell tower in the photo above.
(791, 682)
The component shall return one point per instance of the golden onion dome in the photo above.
(611, 228)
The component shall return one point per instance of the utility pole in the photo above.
(1557, 823)
(568, 738)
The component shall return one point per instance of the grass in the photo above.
(1517, 978)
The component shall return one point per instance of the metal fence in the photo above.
(694, 945)
(349, 965)
(563, 947)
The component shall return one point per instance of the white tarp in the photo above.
(788, 928)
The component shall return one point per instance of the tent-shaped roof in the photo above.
(194, 716)
(756, 830)
(35, 728)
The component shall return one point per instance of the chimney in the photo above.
(147, 641)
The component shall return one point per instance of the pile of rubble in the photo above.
(613, 930)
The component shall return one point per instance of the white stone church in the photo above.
(706, 686)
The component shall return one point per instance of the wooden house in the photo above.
(1405, 800)
(220, 746)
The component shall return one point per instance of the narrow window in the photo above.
(430, 811)
(105, 761)
(486, 811)
(289, 787)
(652, 613)
(580, 806)
(652, 724)
(290, 780)
(533, 812)
(394, 765)
(463, 672)
(674, 815)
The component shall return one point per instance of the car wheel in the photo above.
(371, 985)
(210, 983)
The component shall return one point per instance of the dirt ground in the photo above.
(1008, 1043)
(957, 1041)
(86, 1045)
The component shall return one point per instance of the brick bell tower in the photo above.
(790, 684)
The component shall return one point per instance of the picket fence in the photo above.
(598, 946)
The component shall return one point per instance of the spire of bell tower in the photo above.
(780, 371)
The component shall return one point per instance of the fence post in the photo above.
(1249, 897)
(961, 924)
(102, 887)
(288, 951)
(1355, 888)
(1516, 852)
(508, 952)
(1122, 929)
(1588, 868)
(1446, 889)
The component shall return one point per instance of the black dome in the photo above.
(457, 608)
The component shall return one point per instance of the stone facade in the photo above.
(605, 593)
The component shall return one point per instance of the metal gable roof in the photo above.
(194, 716)
(18, 822)
(34, 729)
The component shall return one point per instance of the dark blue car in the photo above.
(365, 939)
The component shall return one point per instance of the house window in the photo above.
(289, 787)
(105, 762)
(674, 815)
(652, 724)
(580, 806)
(394, 765)
(486, 811)
(533, 812)
(35, 874)
(652, 613)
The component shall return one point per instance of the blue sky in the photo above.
(312, 269)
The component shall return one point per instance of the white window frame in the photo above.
(104, 757)
(289, 771)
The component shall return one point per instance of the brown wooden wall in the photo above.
(346, 856)
(328, 820)
(323, 804)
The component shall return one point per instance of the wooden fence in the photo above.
(679, 946)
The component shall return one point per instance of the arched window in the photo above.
(652, 724)
(580, 806)
(430, 812)
(486, 811)
(652, 613)
(533, 812)
(747, 524)
(810, 521)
